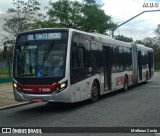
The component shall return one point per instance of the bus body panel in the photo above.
(105, 60)
(144, 62)
(83, 88)
(63, 96)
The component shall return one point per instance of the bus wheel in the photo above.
(146, 79)
(94, 92)
(125, 86)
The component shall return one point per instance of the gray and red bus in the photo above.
(68, 65)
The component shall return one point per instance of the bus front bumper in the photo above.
(54, 97)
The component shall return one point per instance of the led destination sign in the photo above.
(43, 36)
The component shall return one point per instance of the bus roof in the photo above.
(44, 29)
(98, 36)
(104, 38)
(143, 47)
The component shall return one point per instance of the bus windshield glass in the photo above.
(40, 59)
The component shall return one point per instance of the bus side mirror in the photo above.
(5, 52)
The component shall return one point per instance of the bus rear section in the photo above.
(143, 68)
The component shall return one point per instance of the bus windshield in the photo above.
(40, 60)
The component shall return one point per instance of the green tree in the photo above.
(157, 31)
(65, 13)
(156, 49)
(1, 55)
(140, 42)
(124, 38)
(86, 16)
(94, 18)
(22, 16)
(8, 60)
(151, 42)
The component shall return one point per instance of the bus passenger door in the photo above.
(149, 63)
(140, 65)
(135, 64)
(107, 68)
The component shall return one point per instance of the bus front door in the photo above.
(107, 68)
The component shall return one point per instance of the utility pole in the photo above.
(114, 28)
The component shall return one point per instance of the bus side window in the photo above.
(77, 55)
(74, 57)
(80, 57)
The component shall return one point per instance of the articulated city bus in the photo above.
(67, 65)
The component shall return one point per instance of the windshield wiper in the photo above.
(47, 52)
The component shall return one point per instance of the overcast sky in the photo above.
(120, 11)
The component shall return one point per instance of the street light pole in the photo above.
(113, 29)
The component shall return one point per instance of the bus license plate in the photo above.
(37, 100)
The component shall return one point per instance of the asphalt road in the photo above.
(139, 107)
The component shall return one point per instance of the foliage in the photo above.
(22, 16)
(86, 16)
(156, 49)
(124, 38)
(7, 61)
(1, 55)
(9, 53)
(157, 30)
(140, 42)
(151, 42)
(143, 42)
(95, 18)
(3, 71)
(65, 13)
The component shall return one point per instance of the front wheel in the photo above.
(94, 92)
(146, 79)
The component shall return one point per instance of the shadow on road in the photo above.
(54, 107)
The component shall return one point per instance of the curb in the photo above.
(14, 105)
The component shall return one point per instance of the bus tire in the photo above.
(125, 86)
(94, 92)
(146, 79)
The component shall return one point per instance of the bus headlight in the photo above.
(17, 86)
(14, 85)
(61, 87)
